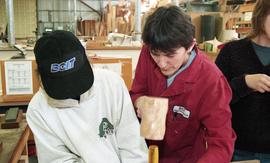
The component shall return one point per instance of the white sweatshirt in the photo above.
(101, 128)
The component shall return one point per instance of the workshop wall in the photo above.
(24, 17)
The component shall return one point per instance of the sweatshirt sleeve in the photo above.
(237, 83)
(49, 147)
(132, 146)
(139, 85)
(215, 116)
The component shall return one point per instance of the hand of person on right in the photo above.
(258, 82)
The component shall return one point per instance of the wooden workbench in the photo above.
(14, 143)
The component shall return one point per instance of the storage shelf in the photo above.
(243, 30)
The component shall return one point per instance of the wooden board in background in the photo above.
(126, 67)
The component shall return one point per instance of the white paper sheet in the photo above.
(18, 75)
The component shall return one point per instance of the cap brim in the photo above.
(71, 85)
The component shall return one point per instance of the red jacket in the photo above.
(201, 90)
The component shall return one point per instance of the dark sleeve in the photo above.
(139, 84)
(237, 83)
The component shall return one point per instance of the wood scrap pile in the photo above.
(115, 18)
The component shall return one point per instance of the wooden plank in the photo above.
(246, 7)
(109, 17)
(102, 47)
(126, 66)
(109, 22)
(113, 18)
(16, 155)
(11, 125)
(14, 142)
(243, 22)
(153, 154)
(243, 30)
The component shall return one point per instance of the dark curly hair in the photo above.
(168, 28)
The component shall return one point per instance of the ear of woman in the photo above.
(191, 46)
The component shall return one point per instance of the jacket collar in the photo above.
(182, 81)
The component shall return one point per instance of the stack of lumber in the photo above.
(115, 18)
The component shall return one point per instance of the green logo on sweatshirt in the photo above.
(105, 128)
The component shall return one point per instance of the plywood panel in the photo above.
(126, 66)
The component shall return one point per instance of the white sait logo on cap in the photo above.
(64, 66)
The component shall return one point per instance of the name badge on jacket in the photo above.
(181, 110)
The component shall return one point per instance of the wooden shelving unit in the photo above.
(243, 26)
(246, 7)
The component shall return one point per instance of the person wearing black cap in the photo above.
(79, 114)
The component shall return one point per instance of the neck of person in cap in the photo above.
(76, 98)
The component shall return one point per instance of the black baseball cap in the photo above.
(63, 65)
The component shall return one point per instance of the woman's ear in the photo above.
(191, 46)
